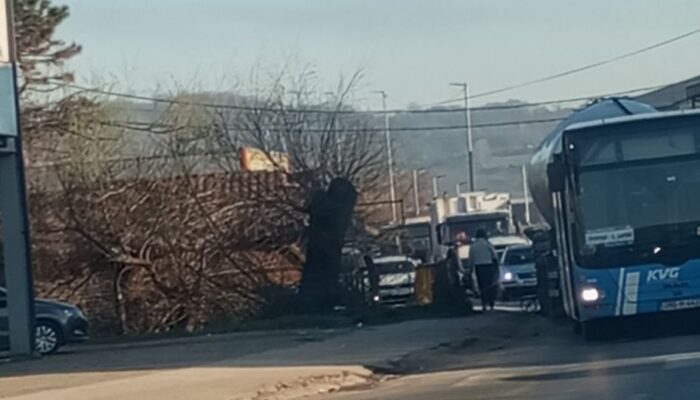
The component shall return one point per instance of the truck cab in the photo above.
(454, 222)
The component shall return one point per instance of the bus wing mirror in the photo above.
(556, 175)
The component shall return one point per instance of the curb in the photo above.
(203, 338)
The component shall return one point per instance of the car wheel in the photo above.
(47, 338)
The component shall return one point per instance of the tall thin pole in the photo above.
(416, 199)
(389, 156)
(526, 194)
(435, 186)
(338, 149)
(470, 143)
(13, 202)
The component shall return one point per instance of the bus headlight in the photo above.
(590, 295)
(508, 276)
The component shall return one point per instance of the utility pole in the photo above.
(389, 156)
(468, 123)
(436, 192)
(526, 194)
(338, 149)
(13, 200)
(416, 199)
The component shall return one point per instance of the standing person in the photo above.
(485, 261)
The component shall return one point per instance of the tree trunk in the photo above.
(330, 217)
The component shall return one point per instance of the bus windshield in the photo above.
(653, 203)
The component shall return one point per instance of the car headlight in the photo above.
(376, 298)
(590, 295)
(508, 276)
(72, 312)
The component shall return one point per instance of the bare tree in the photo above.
(318, 132)
(175, 243)
(318, 143)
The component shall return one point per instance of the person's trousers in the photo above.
(487, 278)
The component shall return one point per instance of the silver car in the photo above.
(396, 280)
(518, 273)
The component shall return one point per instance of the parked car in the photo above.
(518, 273)
(396, 279)
(501, 243)
(57, 324)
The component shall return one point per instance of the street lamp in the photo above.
(468, 124)
(338, 150)
(435, 185)
(390, 158)
(416, 197)
(526, 194)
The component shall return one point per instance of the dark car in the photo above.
(56, 324)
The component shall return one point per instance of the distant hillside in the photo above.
(499, 151)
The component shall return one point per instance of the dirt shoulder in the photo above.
(275, 366)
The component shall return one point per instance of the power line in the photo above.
(200, 153)
(165, 100)
(551, 102)
(150, 157)
(582, 68)
(423, 110)
(148, 127)
(145, 126)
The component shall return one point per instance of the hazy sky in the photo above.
(409, 48)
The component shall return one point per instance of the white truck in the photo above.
(455, 220)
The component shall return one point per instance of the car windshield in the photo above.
(417, 231)
(394, 267)
(519, 256)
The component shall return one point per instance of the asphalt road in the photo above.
(501, 355)
(521, 357)
(653, 380)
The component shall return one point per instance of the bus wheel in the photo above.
(593, 330)
(577, 327)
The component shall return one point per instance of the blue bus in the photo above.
(619, 185)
